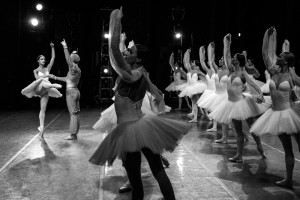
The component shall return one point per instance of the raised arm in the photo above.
(52, 57)
(67, 54)
(186, 60)
(202, 59)
(122, 44)
(122, 68)
(272, 46)
(226, 52)
(286, 46)
(269, 47)
(211, 57)
(171, 61)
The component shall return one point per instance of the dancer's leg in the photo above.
(223, 140)
(240, 141)
(43, 104)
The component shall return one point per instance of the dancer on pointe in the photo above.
(42, 87)
(239, 106)
(136, 132)
(283, 118)
(178, 75)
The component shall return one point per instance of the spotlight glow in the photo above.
(105, 71)
(106, 35)
(34, 22)
(39, 7)
(178, 35)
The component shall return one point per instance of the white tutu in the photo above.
(277, 122)
(108, 118)
(212, 101)
(154, 132)
(239, 110)
(38, 88)
(191, 89)
(172, 86)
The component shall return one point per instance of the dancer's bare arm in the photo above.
(49, 66)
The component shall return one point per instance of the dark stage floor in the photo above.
(56, 169)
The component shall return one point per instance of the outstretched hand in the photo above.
(51, 44)
(271, 30)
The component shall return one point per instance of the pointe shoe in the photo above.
(193, 121)
(71, 137)
(236, 159)
(125, 188)
(211, 130)
(177, 109)
(41, 130)
(190, 115)
(261, 151)
(221, 141)
(165, 162)
(284, 183)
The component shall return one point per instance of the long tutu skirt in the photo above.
(239, 110)
(36, 88)
(278, 122)
(154, 132)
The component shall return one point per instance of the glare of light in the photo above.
(34, 21)
(178, 35)
(105, 71)
(106, 35)
(39, 7)
(239, 34)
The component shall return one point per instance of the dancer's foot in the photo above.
(261, 151)
(193, 121)
(221, 141)
(284, 183)
(41, 130)
(213, 129)
(190, 115)
(236, 159)
(71, 137)
(165, 162)
(125, 188)
(177, 109)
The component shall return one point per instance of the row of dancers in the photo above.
(226, 93)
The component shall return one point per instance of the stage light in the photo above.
(105, 71)
(178, 35)
(39, 7)
(34, 21)
(106, 35)
(239, 34)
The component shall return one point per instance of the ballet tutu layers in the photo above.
(278, 122)
(172, 86)
(36, 88)
(154, 132)
(189, 89)
(210, 102)
(239, 110)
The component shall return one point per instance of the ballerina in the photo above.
(239, 106)
(178, 74)
(42, 87)
(282, 119)
(136, 132)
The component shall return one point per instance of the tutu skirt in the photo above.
(239, 110)
(172, 86)
(38, 88)
(191, 89)
(278, 122)
(212, 101)
(154, 132)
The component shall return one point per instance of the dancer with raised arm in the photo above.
(239, 106)
(72, 92)
(178, 75)
(136, 132)
(283, 118)
(42, 87)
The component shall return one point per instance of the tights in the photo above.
(132, 165)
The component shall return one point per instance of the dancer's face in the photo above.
(130, 55)
(42, 60)
(281, 61)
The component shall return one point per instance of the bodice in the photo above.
(192, 78)
(220, 84)
(44, 74)
(235, 89)
(280, 96)
(210, 81)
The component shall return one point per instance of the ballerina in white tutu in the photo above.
(136, 132)
(194, 87)
(42, 87)
(178, 75)
(239, 106)
(283, 118)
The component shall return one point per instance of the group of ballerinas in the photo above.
(231, 94)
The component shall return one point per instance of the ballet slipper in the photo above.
(193, 121)
(284, 183)
(213, 129)
(236, 159)
(221, 141)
